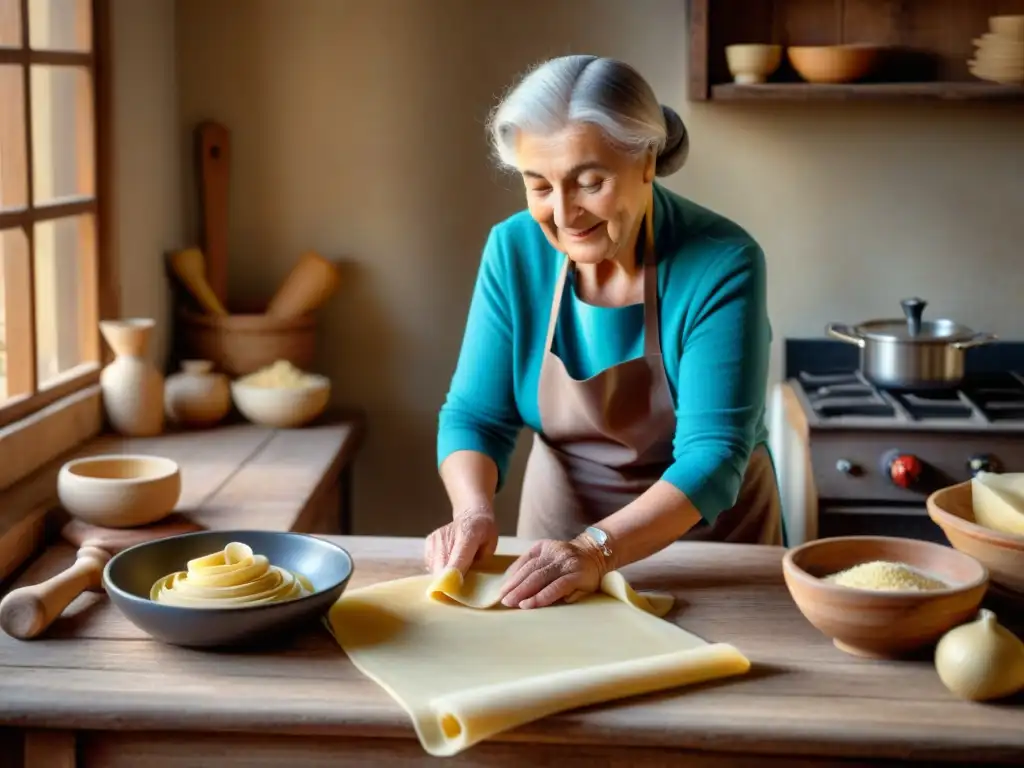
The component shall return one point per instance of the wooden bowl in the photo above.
(130, 574)
(282, 407)
(242, 344)
(119, 491)
(878, 624)
(834, 63)
(952, 509)
(752, 63)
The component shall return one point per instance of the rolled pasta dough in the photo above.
(466, 668)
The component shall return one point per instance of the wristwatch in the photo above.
(600, 538)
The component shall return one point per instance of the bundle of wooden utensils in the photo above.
(999, 53)
(239, 344)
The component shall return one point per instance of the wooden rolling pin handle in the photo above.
(26, 612)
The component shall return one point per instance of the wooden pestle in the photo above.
(190, 267)
(27, 612)
(310, 283)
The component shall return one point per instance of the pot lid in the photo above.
(912, 328)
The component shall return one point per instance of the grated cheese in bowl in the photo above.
(885, 576)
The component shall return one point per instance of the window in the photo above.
(50, 227)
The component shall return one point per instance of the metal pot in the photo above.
(909, 353)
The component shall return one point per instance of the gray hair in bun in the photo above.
(592, 89)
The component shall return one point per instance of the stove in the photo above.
(864, 459)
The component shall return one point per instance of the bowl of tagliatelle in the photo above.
(227, 588)
(281, 395)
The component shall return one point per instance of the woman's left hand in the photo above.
(551, 571)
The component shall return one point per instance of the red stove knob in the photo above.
(905, 470)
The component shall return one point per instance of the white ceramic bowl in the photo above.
(752, 63)
(119, 491)
(282, 407)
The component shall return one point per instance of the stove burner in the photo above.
(988, 399)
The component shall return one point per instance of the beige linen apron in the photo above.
(605, 440)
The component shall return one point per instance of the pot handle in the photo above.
(845, 333)
(977, 340)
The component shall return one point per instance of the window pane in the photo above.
(15, 334)
(10, 24)
(59, 25)
(65, 275)
(13, 166)
(63, 150)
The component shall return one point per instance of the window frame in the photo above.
(100, 292)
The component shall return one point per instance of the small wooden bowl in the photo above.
(119, 491)
(878, 624)
(834, 63)
(130, 574)
(243, 344)
(952, 509)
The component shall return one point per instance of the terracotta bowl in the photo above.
(1002, 554)
(879, 624)
(119, 491)
(284, 408)
(834, 63)
(752, 63)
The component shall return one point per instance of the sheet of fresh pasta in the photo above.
(465, 668)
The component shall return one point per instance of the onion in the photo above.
(981, 660)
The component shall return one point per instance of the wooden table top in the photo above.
(96, 671)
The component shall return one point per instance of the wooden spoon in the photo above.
(189, 266)
(27, 612)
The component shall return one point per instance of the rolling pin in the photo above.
(27, 612)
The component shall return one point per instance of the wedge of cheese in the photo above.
(998, 501)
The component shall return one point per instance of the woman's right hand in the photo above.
(471, 535)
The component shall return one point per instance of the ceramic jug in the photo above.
(196, 396)
(132, 386)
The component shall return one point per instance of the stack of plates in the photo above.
(999, 56)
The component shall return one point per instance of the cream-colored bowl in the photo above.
(119, 491)
(751, 63)
(282, 407)
(1007, 26)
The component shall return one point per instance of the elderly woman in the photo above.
(627, 327)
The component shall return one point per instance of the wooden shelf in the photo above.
(944, 91)
(928, 45)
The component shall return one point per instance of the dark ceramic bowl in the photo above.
(129, 575)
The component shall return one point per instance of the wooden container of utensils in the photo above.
(241, 344)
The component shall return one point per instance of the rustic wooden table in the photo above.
(100, 690)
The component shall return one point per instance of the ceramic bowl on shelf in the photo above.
(883, 624)
(130, 575)
(1011, 27)
(952, 509)
(282, 407)
(119, 491)
(751, 63)
(834, 63)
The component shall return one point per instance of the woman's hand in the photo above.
(551, 571)
(471, 535)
